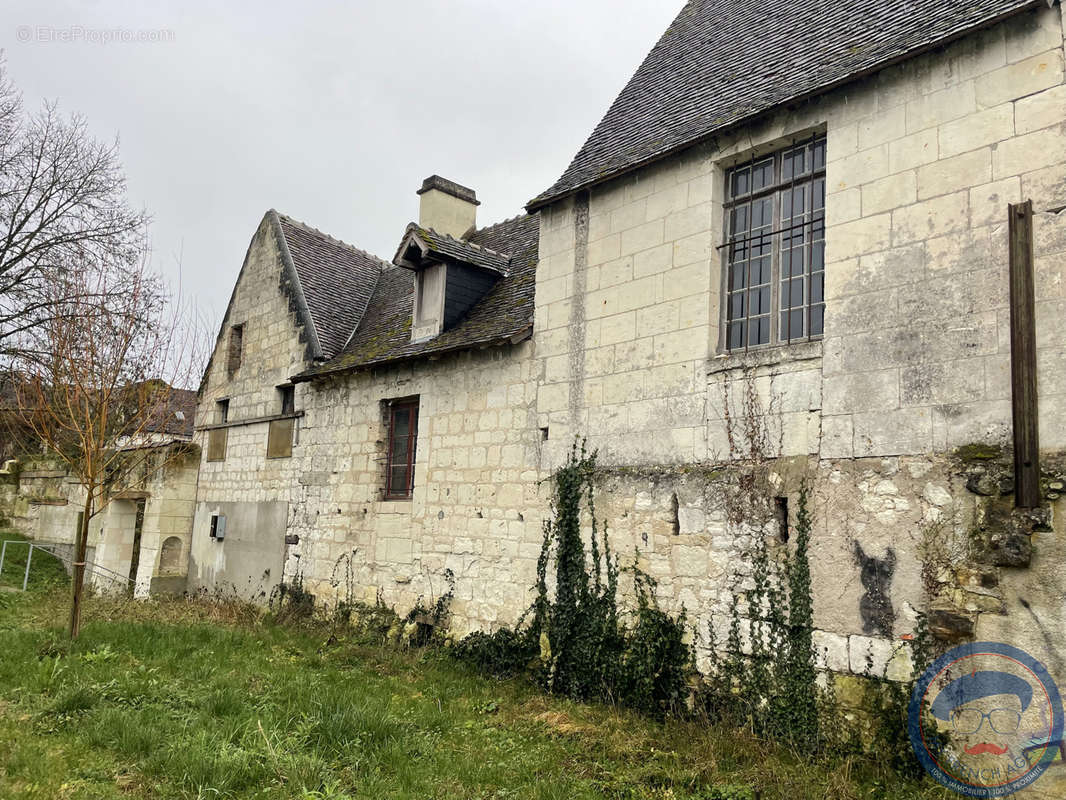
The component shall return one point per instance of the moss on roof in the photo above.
(504, 313)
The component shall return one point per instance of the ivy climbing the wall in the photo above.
(770, 685)
(580, 642)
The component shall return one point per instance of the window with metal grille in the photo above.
(775, 247)
(403, 432)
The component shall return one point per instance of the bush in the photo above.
(291, 603)
(502, 654)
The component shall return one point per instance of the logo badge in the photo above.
(985, 720)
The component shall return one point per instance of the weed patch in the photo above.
(194, 698)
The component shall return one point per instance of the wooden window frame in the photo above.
(392, 492)
(217, 441)
(280, 436)
(287, 398)
(774, 234)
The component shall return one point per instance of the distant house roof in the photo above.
(446, 247)
(503, 315)
(171, 410)
(335, 278)
(723, 62)
(177, 416)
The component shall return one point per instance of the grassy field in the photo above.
(189, 700)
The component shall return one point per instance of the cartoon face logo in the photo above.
(986, 719)
(985, 709)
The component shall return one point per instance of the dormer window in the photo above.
(451, 276)
(429, 302)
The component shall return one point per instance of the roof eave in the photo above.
(497, 341)
(431, 255)
(546, 199)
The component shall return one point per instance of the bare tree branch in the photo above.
(97, 393)
(63, 207)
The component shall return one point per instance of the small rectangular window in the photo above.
(236, 349)
(403, 434)
(287, 399)
(216, 444)
(775, 248)
(222, 406)
(279, 437)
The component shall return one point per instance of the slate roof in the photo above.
(504, 314)
(722, 62)
(337, 280)
(466, 251)
(177, 416)
(174, 413)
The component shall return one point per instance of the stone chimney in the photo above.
(447, 207)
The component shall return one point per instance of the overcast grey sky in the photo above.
(332, 113)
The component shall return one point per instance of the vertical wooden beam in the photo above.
(1023, 356)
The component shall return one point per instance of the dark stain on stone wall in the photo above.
(875, 605)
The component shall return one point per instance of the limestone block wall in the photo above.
(623, 315)
(42, 488)
(476, 508)
(922, 161)
(168, 515)
(871, 519)
(272, 346)
(8, 491)
(1049, 248)
(273, 351)
(921, 168)
(50, 500)
(114, 540)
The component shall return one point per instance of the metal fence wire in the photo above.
(90, 567)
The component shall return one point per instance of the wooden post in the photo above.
(1023, 356)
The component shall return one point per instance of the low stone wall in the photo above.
(8, 491)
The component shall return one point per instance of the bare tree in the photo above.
(62, 207)
(111, 348)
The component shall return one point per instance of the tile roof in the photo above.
(167, 409)
(337, 280)
(502, 315)
(176, 415)
(466, 251)
(722, 62)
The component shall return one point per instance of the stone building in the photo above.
(787, 242)
(142, 536)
